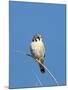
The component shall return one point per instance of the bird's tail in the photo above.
(42, 69)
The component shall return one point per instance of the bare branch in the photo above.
(44, 67)
(47, 70)
(38, 80)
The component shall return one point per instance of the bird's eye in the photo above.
(38, 38)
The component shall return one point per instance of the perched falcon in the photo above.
(37, 49)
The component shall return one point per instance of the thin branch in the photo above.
(17, 51)
(47, 70)
(38, 80)
(43, 66)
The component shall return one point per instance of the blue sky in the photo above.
(26, 19)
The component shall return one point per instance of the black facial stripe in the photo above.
(35, 39)
(38, 38)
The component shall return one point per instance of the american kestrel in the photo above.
(37, 49)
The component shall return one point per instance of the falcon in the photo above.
(37, 49)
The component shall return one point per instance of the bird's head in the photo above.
(37, 37)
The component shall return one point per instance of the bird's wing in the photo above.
(31, 50)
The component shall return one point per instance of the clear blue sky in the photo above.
(26, 19)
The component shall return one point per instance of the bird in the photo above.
(37, 49)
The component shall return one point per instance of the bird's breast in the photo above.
(38, 49)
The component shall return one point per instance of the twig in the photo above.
(39, 80)
(17, 51)
(46, 69)
(43, 66)
(35, 74)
